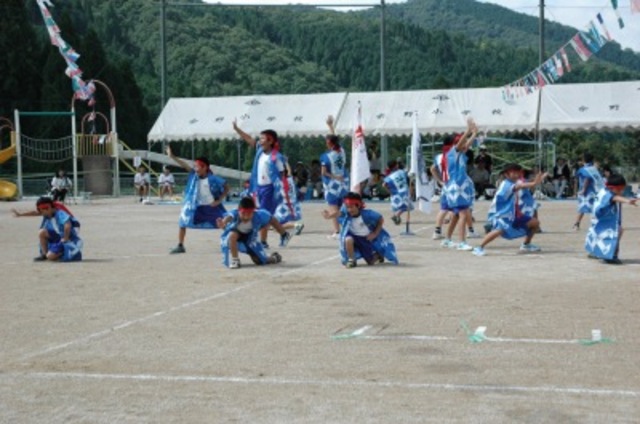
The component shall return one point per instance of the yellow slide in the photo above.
(8, 190)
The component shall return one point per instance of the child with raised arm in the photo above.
(361, 233)
(241, 234)
(505, 216)
(459, 187)
(603, 238)
(590, 182)
(268, 184)
(58, 236)
(333, 170)
(203, 197)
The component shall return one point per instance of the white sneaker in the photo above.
(529, 248)
(448, 243)
(438, 236)
(334, 236)
(464, 246)
(234, 264)
(479, 251)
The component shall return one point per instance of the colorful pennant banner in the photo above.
(585, 43)
(82, 90)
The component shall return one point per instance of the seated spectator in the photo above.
(60, 186)
(166, 182)
(481, 178)
(315, 178)
(485, 157)
(560, 177)
(141, 182)
(375, 187)
(301, 178)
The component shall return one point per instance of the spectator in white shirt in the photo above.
(166, 181)
(141, 182)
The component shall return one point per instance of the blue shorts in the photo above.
(208, 214)
(266, 199)
(521, 222)
(364, 247)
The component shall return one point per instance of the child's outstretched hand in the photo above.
(220, 223)
(326, 214)
(633, 202)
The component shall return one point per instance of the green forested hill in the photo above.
(218, 51)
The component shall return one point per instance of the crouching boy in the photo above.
(241, 234)
(361, 233)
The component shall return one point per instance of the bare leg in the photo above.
(43, 237)
(233, 244)
(349, 247)
(182, 232)
(452, 225)
(533, 225)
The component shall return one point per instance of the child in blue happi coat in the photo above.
(58, 236)
(242, 227)
(361, 233)
(603, 238)
(397, 182)
(505, 214)
(204, 195)
(590, 182)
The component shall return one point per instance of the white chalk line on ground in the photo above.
(275, 381)
(185, 305)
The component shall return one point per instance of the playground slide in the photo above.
(8, 190)
(166, 160)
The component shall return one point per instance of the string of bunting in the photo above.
(585, 43)
(82, 90)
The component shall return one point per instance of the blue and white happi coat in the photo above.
(251, 247)
(334, 190)
(71, 250)
(190, 202)
(459, 188)
(603, 236)
(591, 174)
(398, 185)
(290, 209)
(502, 212)
(275, 175)
(527, 204)
(382, 244)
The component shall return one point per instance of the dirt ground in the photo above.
(135, 335)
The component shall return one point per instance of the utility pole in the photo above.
(163, 53)
(384, 148)
(541, 57)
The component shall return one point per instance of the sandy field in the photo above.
(135, 335)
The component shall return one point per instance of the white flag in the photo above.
(424, 187)
(359, 162)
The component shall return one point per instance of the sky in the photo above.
(575, 13)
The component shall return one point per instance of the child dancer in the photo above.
(397, 182)
(334, 163)
(459, 188)
(589, 183)
(361, 233)
(603, 238)
(203, 197)
(507, 220)
(241, 234)
(58, 236)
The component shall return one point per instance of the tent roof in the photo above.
(209, 118)
(597, 106)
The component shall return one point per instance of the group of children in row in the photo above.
(360, 230)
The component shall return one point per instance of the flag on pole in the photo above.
(424, 187)
(359, 161)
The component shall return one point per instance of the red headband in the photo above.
(246, 210)
(201, 164)
(615, 187)
(42, 206)
(354, 202)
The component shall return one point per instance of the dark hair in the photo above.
(43, 201)
(449, 140)
(271, 134)
(247, 203)
(511, 167)
(205, 160)
(392, 164)
(616, 180)
(588, 157)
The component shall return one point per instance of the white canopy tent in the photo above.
(594, 106)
